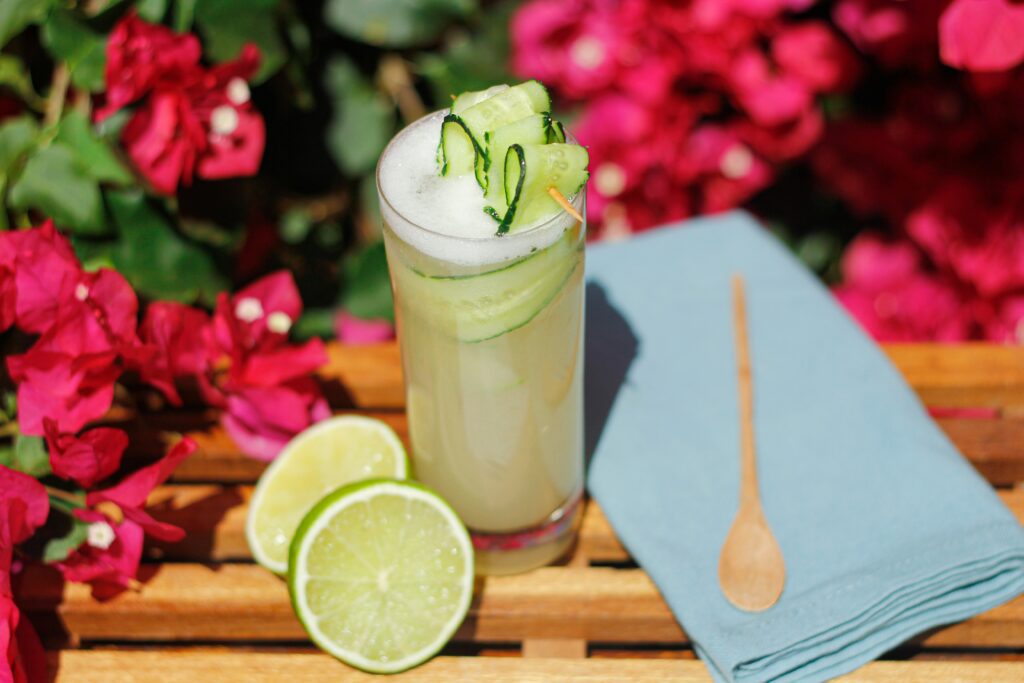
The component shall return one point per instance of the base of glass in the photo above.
(520, 551)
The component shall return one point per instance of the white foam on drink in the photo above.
(443, 216)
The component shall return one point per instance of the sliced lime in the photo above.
(329, 454)
(381, 574)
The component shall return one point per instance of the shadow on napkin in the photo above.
(609, 348)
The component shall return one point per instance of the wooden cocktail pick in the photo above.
(569, 208)
(751, 570)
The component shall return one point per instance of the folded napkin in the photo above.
(886, 530)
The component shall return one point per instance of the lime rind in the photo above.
(320, 516)
(402, 470)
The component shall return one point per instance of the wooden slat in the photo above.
(964, 375)
(219, 459)
(186, 666)
(242, 602)
(967, 375)
(367, 376)
(994, 446)
(215, 519)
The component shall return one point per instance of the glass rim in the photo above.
(534, 230)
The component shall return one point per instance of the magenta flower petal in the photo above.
(982, 35)
(24, 504)
(359, 331)
(87, 459)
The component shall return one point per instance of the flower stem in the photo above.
(58, 92)
(65, 497)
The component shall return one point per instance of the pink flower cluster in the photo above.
(190, 120)
(687, 107)
(943, 166)
(86, 338)
(242, 361)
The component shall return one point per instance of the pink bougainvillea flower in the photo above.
(360, 331)
(271, 367)
(8, 298)
(770, 98)
(46, 273)
(261, 420)
(131, 492)
(23, 503)
(897, 34)
(22, 659)
(235, 131)
(71, 390)
(109, 560)
(573, 46)
(1004, 322)
(141, 56)
(728, 170)
(976, 231)
(982, 35)
(87, 458)
(812, 52)
(886, 289)
(163, 140)
(177, 333)
(100, 316)
(194, 121)
(259, 314)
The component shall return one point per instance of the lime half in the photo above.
(329, 454)
(381, 574)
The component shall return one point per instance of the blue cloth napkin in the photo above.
(886, 530)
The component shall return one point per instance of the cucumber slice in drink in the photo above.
(500, 109)
(556, 131)
(458, 152)
(532, 130)
(480, 307)
(530, 170)
(468, 99)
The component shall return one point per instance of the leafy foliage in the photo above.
(394, 23)
(363, 120)
(67, 154)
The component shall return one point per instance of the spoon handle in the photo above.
(748, 466)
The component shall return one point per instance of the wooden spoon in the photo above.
(750, 569)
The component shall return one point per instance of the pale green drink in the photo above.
(491, 332)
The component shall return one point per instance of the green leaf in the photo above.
(14, 75)
(394, 23)
(16, 137)
(363, 119)
(152, 11)
(9, 403)
(56, 184)
(315, 322)
(295, 225)
(227, 25)
(367, 292)
(471, 61)
(92, 153)
(74, 532)
(184, 14)
(30, 456)
(15, 15)
(157, 261)
(83, 49)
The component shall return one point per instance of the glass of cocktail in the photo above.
(491, 334)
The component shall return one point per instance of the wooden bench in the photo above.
(206, 610)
